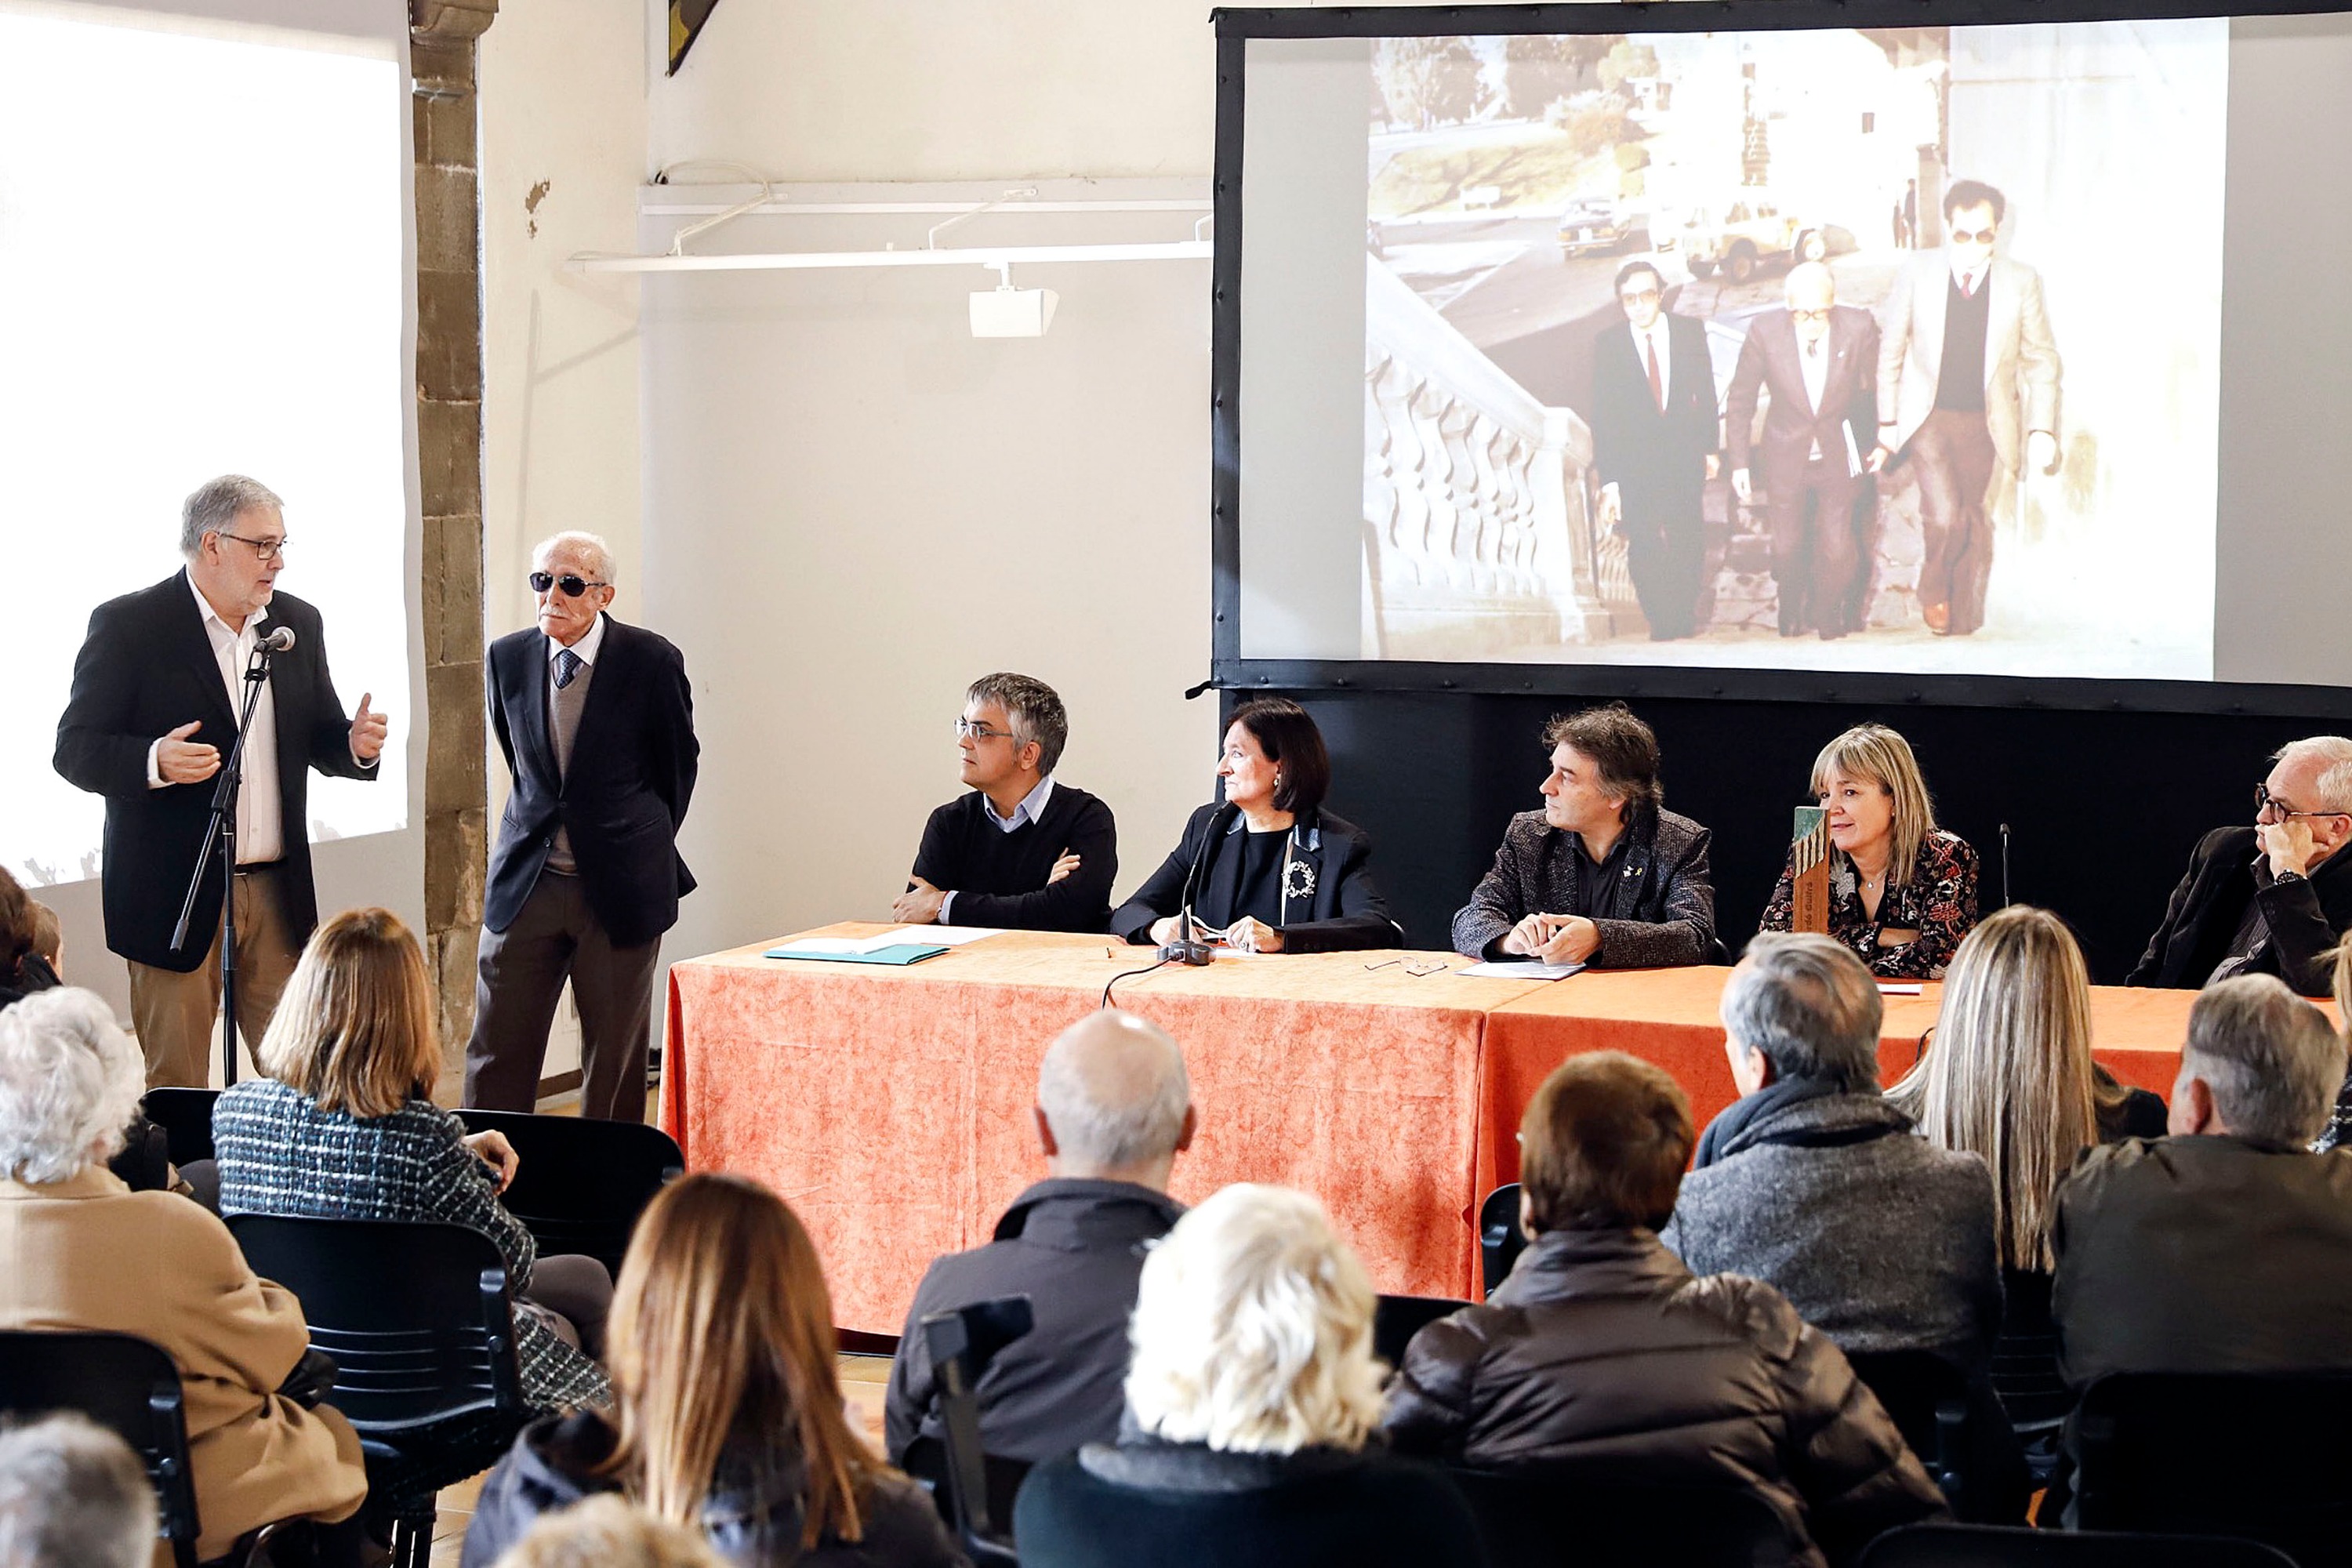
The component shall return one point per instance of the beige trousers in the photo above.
(177, 1016)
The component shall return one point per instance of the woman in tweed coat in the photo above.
(345, 1128)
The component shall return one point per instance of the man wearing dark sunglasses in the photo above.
(1968, 390)
(596, 722)
(2272, 898)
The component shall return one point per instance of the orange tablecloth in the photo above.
(892, 1106)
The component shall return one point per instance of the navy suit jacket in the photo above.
(147, 668)
(633, 766)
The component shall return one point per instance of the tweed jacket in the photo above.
(1878, 1238)
(1654, 898)
(280, 1155)
(88, 1253)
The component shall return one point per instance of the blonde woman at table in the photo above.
(1903, 892)
(1269, 871)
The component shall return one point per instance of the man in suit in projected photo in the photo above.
(1653, 446)
(1967, 375)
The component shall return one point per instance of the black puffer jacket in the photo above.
(552, 1465)
(1602, 1353)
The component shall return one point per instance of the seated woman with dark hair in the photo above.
(345, 1128)
(1269, 871)
(727, 1414)
(24, 969)
(1602, 1354)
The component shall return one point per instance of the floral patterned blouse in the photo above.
(1939, 902)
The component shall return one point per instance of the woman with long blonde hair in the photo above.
(726, 1412)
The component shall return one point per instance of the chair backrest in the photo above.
(1988, 1546)
(1500, 1240)
(417, 1315)
(127, 1385)
(185, 1115)
(1957, 1428)
(2252, 1454)
(581, 1183)
(963, 1341)
(1533, 1518)
(1398, 1317)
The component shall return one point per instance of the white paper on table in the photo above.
(1523, 968)
(1901, 988)
(947, 936)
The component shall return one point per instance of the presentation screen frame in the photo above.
(1236, 29)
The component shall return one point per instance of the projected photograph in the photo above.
(1890, 350)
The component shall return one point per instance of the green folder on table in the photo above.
(836, 950)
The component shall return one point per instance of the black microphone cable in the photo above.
(1129, 974)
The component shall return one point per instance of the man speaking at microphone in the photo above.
(157, 689)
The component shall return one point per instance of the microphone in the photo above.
(2004, 866)
(279, 641)
(1187, 947)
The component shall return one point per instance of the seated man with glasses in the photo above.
(1021, 851)
(2272, 898)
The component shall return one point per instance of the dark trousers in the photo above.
(1955, 456)
(1810, 512)
(521, 974)
(1665, 552)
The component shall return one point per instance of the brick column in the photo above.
(442, 35)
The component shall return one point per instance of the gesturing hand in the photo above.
(182, 761)
(1062, 868)
(367, 732)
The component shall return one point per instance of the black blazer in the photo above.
(1634, 446)
(2305, 919)
(1346, 910)
(147, 668)
(633, 766)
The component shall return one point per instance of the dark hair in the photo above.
(1287, 735)
(1603, 1145)
(18, 924)
(1619, 745)
(1035, 709)
(1632, 267)
(1974, 194)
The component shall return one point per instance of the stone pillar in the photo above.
(442, 35)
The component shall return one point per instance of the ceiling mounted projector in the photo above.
(1005, 311)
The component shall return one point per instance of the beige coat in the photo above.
(89, 1253)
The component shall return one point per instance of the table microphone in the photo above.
(2004, 865)
(1188, 948)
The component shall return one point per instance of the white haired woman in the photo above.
(85, 1252)
(1251, 1395)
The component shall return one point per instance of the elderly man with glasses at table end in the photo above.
(1022, 849)
(596, 722)
(157, 689)
(2272, 898)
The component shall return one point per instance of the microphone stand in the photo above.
(222, 830)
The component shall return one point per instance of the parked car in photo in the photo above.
(1593, 226)
(1739, 237)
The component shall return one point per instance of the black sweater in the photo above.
(999, 878)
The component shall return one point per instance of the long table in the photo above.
(891, 1106)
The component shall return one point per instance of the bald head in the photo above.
(1113, 1102)
(1811, 291)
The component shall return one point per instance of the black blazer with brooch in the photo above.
(2305, 919)
(1345, 910)
(633, 767)
(146, 668)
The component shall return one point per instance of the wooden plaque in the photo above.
(1808, 860)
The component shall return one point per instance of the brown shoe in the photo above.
(1938, 616)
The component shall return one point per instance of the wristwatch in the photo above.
(2280, 878)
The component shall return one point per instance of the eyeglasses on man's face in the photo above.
(263, 550)
(571, 583)
(974, 730)
(2268, 805)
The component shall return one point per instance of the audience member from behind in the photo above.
(1811, 1182)
(1024, 849)
(345, 1127)
(1903, 892)
(1603, 875)
(2272, 898)
(1113, 1111)
(1251, 1400)
(726, 1412)
(2226, 1247)
(87, 1253)
(605, 1531)
(73, 1495)
(2338, 1130)
(1602, 1356)
(23, 967)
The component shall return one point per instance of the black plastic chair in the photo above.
(963, 1341)
(1534, 1519)
(1398, 1317)
(1987, 1546)
(1957, 1429)
(127, 1385)
(420, 1326)
(1500, 1240)
(2263, 1455)
(185, 1115)
(581, 1183)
